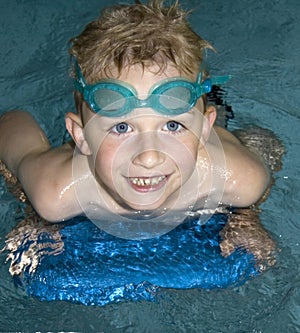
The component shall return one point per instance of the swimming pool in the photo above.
(258, 43)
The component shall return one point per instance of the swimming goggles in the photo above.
(172, 96)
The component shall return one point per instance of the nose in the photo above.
(149, 159)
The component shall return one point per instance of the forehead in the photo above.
(150, 72)
(144, 78)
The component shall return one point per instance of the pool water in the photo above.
(258, 43)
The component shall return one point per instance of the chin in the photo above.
(160, 203)
(144, 207)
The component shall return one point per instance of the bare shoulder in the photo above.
(44, 177)
(249, 176)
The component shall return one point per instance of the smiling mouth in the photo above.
(147, 184)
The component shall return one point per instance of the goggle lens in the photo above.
(108, 100)
(176, 100)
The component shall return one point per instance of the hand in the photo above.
(244, 230)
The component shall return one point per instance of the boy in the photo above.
(145, 138)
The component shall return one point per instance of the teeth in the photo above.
(147, 181)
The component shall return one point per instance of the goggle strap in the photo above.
(206, 85)
(217, 80)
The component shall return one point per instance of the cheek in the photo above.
(113, 159)
(186, 157)
(192, 145)
(106, 158)
(189, 163)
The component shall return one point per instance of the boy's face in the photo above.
(145, 160)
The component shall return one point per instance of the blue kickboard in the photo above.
(97, 268)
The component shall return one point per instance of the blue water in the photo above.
(258, 43)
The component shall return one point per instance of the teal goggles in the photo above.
(172, 96)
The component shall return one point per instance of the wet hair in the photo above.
(146, 34)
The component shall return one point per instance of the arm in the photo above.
(249, 176)
(20, 136)
(244, 228)
(43, 172)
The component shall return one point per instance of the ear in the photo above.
(75, 129)
(210, 116)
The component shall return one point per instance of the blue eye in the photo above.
(173, 126)
(121, 128)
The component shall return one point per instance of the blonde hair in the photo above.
(146, 34)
